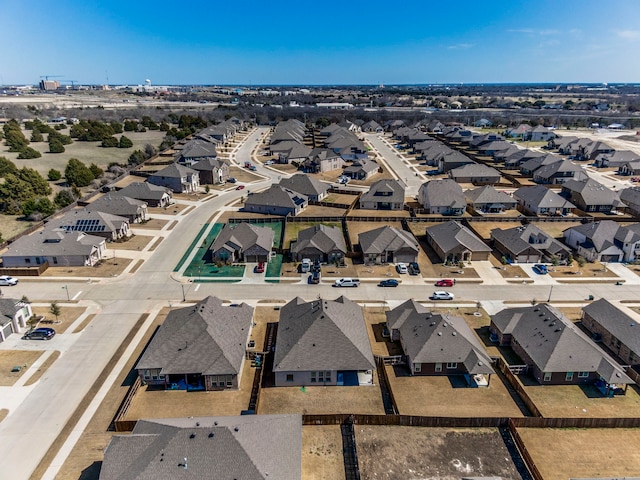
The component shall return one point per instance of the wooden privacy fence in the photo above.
(517, 386)
(118, 424)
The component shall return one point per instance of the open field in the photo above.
(11, 225)
(584, 453)
(151, 224)
(109, 267)
(356, 228)
(66, 318)
(13, 358)
(243, 175)
(391, 453)
(87, 152)
(133, 242)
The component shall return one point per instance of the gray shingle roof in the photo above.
(143, 191)
(206, 338)
(88, 220)
(117, 205)
(8, 309)
(600, 235)
(197, 148)
(592, 192)
(54, 242)
(385, 190)
(208, 165)
(249, 447)
(554, 343)
(243, 235)
(322, 335)
(473, 170)
(175, 170)
(386, 239)
(542, 197)
(617, 322)
(449, 235)
(277, 196)
(445, 192)
(519, 239)
(438, 338)
(325, 239)
(304, 184)
(488, 194)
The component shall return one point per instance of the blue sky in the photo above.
(329, 42)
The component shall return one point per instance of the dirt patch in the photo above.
(584, 453)
(412, 453)
(589, 269)
(555, 229)
(175, 209)
(243, 175)
(151, 224)
(322, 453)
(84, 323)
(134, 242)
(67, 316)
(507, 271)
(318, 211)
(13, 358)
(43, 368)
(3, 413)
(105, 268)
(356, 228)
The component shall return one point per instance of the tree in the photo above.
(117, 127)
(16, 141)
(63, 139)
(64, 198)
(55, 146)
(77, 173)
(38, 209)
(130, 126)
(125, 142)
(36, 136)
(54, 175)
(96, 170)
(7, 167)
(36, 182)
(109, 142)
(28, 152)
(136, 158)
(150, 150)
(55, 310)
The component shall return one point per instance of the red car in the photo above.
(445, 282)
(260, 267)
(239, 187)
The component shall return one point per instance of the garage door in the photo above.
(7, 330)
(609, 258)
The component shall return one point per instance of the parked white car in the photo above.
(441, 295)
(6, 280)
(347, 282)
(402, 268)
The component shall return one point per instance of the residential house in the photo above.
(211, 171)
(594, 150)
(539, 200)
(453, 242)
(313, 189)
(57, 247)
(630, 168)
(153, 195)
(201, 347)
(443, 197)
(385, 194)
(522, 131)
(478, 140)
(435, 126)
(388, 245)
(438, 344)
(532, 164)
(320, 242)
(297, 152)
(616, 327)
(616, 159)
(491, 148)
(247, 447)
(489, 200)
(88, 220)
(528, 244)
(476, 173)
(452, 159)
(559, 172)
(372, 127)
(276, 200)
(605, 241)
(540, 134)
(322, 160)
(562, 144)
(631, 198)
(243, 242)
(555, 351)
(177, 177)
(135, 211)
(591, 196)
(195, 151)
(14, 314)
(321, 343)
(361, 169)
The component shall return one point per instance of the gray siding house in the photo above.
(153, 195)
(276, 200)
(444, 197)
(313, 189)
(14, 314)
(388, 245)
(489, 200)
(133, 210)
(384, 194)
(322, 342)
(319, 242)
(539, 200)
(528, 244)
(243, 242)
(177, 177)
(198, 348)
(454, 242)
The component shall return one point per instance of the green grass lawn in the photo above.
(294, 228)
(274, 267)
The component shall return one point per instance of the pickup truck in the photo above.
(347, 282)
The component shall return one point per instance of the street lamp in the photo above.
(184, 297)
(66, 287)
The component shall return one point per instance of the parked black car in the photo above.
(414, 268)
(40, 334)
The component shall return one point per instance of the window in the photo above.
(547, 377)
(327, 376)
(438, 367)
(417, 367)
(146, 375)
(229, 380)
(321, 376)
(583, 374)
(452, 365)
(569, 377)
(313, 377)
(289, 377)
